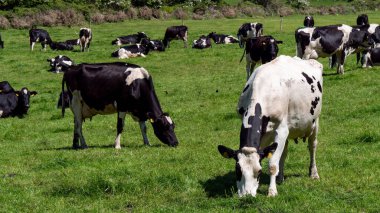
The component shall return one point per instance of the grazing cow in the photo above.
(202, 42)
(61, 46)
(39, 35)
(262, 48)
(282, 100)
(129, 39)
(1, 43)
(249, 30)
(125, 89)
(175, 32)
(338, 40)
(222, 39)
(156, 45)
(60, 63)
(371, 58)
(14, 103)
(309, 21)
(131, 51)
(85, 37)
(73, 42)
(362, 19)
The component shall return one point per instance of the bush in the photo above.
(145, 13)
(97, 18)
(4, 23)
(21, 22)
(180, 13)
(228, 12)
(131, 13)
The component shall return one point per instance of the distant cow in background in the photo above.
(60, 63)
(175, 32)
(61, 46)
(85, 36)
(156, 45)
(202, 42)
(131, 51)
(371, 58)
(262, 48)
(308, 21)
(222, 39)
(73, 42)
(39, 35)
(362, 19)
(14, 103)
(129, 39)
(249, 30)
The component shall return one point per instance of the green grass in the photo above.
(39, 172)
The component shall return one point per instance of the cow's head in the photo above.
(309, 21)
(248, 166)
(163, 127)
(23, 100)
(269, 48)
(142, 35)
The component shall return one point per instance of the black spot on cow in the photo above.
(313, 77)
(314, 104)
(308, 79)
(319, 86)
(312, 89)
(312, 111)
(264, 124)
(241, 110)
(313, 120)
(238, 172)
(251, 136)
(246, 87)
(246, 113)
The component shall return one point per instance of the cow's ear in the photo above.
(279, 42)
(227, 152)
(33, 93)
(268, 151)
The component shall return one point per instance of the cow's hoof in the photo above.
(272, 192)
(117, 147)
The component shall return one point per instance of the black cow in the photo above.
(14, 103)
(85, 37)
(338, 40)
(1, 43)
(73, 42)
(39, 35)
(156, 45)
(262, 48)
(134, 50)
(125, 89)
(371, 57)
(249, 30)
(129, 39)
(61, 46)
(308, 21)
(60, 63)
(175, 32)
(202, 42)
(222, 39)
(362, 19)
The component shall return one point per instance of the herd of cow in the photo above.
(281, 100)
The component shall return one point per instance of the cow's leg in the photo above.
(332, 61)
(250, 65)
(185, 39)
(282, 133)
(312, 140)
(120, 127)
(76, 107)
(340, 58)
(32, 45)
(280, 177)
(143, 132)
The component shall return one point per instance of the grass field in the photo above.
(39, 172)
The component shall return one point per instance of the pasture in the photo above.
(39, 172)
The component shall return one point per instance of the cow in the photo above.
(222, 39)
(61, 46)
(60, 63)
(333, 40)
(125, 89)
(202, 43)
(362, 19)
(262, 48)
(73, 42)
(249, 30)
(14, 103)
(175, 32)
(371, 58)
(129, 39)
(85, 37)
(1, 43)
(308, 21)
(131, 51)
(281, 100)
(39, 35)
(156, 45)
(374, 33)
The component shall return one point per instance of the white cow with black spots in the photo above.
(281, 100)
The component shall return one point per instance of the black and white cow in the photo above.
(202, 43)
(61, 46)
(85, 37)
(125, 89)
(131, 51)
(249, 30)
(175, 32)
(73, 42)
(14, 103)
(262, 48)
(129, 39)
(333, 40)
(60, 63)
(1, 43)
(374, 36)
(308, 21)
(156, 45)
(371, 58)
(39, 35)
(222, 39)
(282, 100)
(362, 19)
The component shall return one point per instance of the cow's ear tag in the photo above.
(269, 155)
(17, 94)
(264, 43)
(151, 120)
(1, 90)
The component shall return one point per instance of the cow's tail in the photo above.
(63, 97)
(242, 55)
